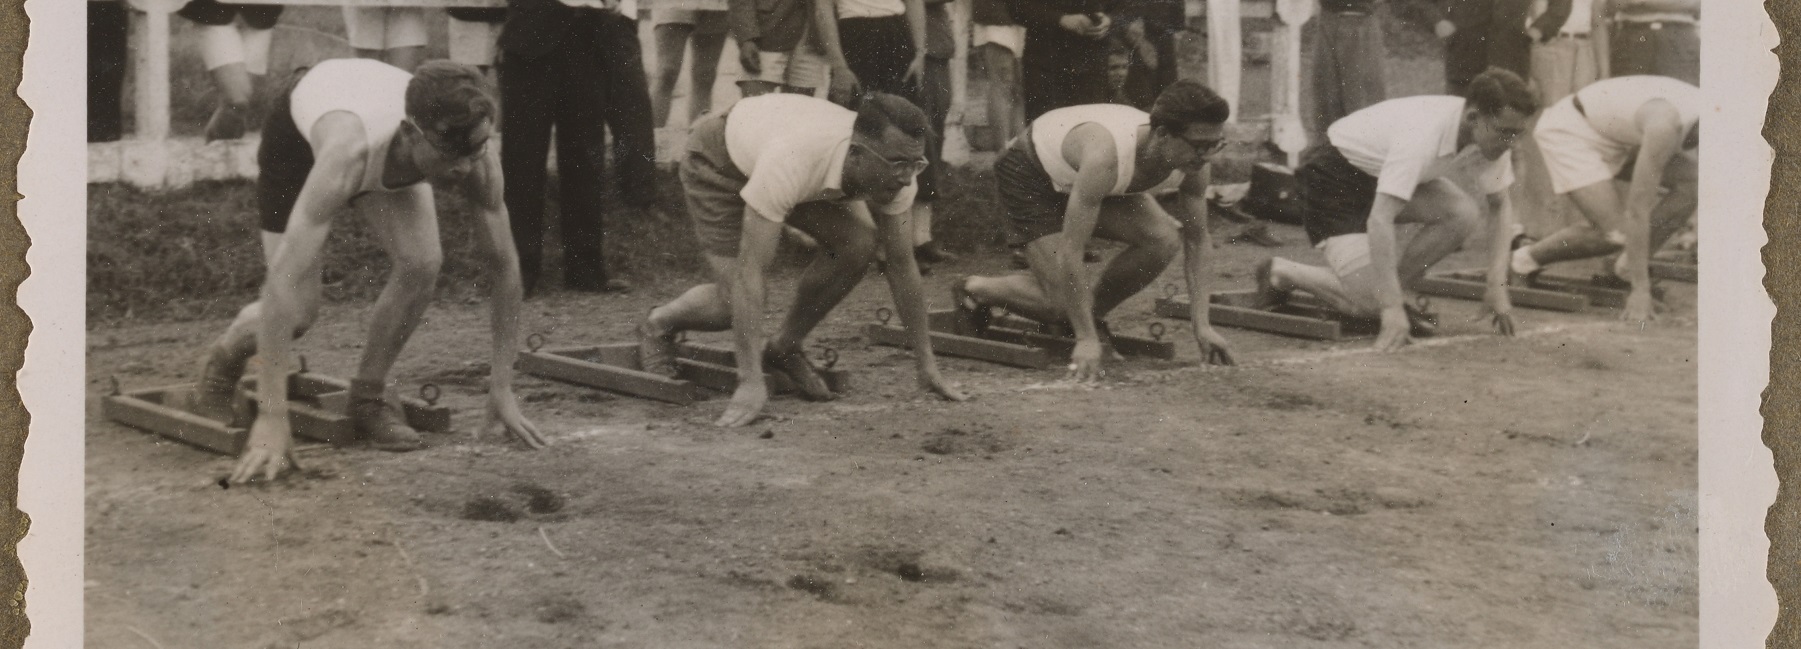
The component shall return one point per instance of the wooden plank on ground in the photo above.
(949, 344)
(154, 411)
(333, 395)
(1533, 298)
(1600, 296)
(1229, 314)
(1673, 271)
(607, 377)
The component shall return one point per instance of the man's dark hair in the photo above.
(876, 111)
(1188, 102)
(448, 100)
(1498, 89)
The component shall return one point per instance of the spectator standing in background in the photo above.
(108, 24)
(1151, 34)
(777, 46)
(935, 100)
(675, 22)
(627, 107)
(1509, 46)
(1569, 47)
(1465, 29)
(553, 72)
(1655, 37)
(1065, 62)
(234, 45)
(1347, 62)
(392, 34)
(1000, 43)
(874, 45)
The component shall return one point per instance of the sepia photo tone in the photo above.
(1066, 323)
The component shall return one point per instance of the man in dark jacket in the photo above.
(1065, 63)
(1465, 29)
(574, 64)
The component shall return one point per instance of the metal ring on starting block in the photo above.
(114, 378)
(430, 393)
(302, 363)
(831, 357)
(534, 342)
(883, 315)
(1170, 289)
(1157, 330)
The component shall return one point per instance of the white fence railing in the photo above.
(151, 159)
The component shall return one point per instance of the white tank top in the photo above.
(1050, 129)
(372, 90)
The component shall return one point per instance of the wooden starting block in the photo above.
(1674, 271)
(1302, 316)
(317, 410)
(615, 368)
(1460, 285)
(1601, 296)
(1008, 340)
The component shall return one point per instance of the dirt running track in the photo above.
(1468, 492)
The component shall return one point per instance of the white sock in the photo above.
(1523, 262)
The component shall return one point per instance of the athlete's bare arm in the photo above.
(749, 289)
(484, 187)
(1196, 243)
(1091, 149)
(339, 159)
(1385, 259)
(1496, 302)
(1661, 128)
(896, 232)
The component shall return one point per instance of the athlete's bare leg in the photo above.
(223, 362)
(1446, 216)
(1152, 242)
(405, 224)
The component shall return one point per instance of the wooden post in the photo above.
(1225, 45)
(1287, 130)
(150, 61)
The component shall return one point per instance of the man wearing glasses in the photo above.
(1092, 171)
(363, 134)
(844, 177)
(1398, 162)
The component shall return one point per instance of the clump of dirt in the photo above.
(1338, 502)
(538, 499)
(1292, 401)
(489, 508)
(966, 441)
(820, 587)
(555, 609)
(905, 563)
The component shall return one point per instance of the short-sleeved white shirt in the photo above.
(870, 8)
(1409, 141)
(792, 148)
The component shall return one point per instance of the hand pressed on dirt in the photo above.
(1085, 362)
(503, 412)
(1395, 331)
(934, 382)
(1214, 349)
(267, 453)
(1640, 308)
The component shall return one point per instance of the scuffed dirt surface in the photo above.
(1472, 492)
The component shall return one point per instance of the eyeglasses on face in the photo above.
(1204, 146)
(898, 167)
(453, 151)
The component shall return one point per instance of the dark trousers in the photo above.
(628, 113)
(569, 87)
(1054, 75)
(1466, 55)
(108, 24)
(1347, 66)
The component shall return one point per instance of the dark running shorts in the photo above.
(215, 13)
(1336, 196)
(284, 158)
(1034, 207)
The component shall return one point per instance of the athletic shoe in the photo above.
(1268, 296)
(377, 423)
(1528, 280)
(1259, 234)
(800, 371)
(969, 311)
(613, 285)
(215, 397)
(656, 351)
(227, 123)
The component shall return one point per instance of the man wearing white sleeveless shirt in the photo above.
(1643, 128)
(1394, 163)
(373, 149)
(1091, 171)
